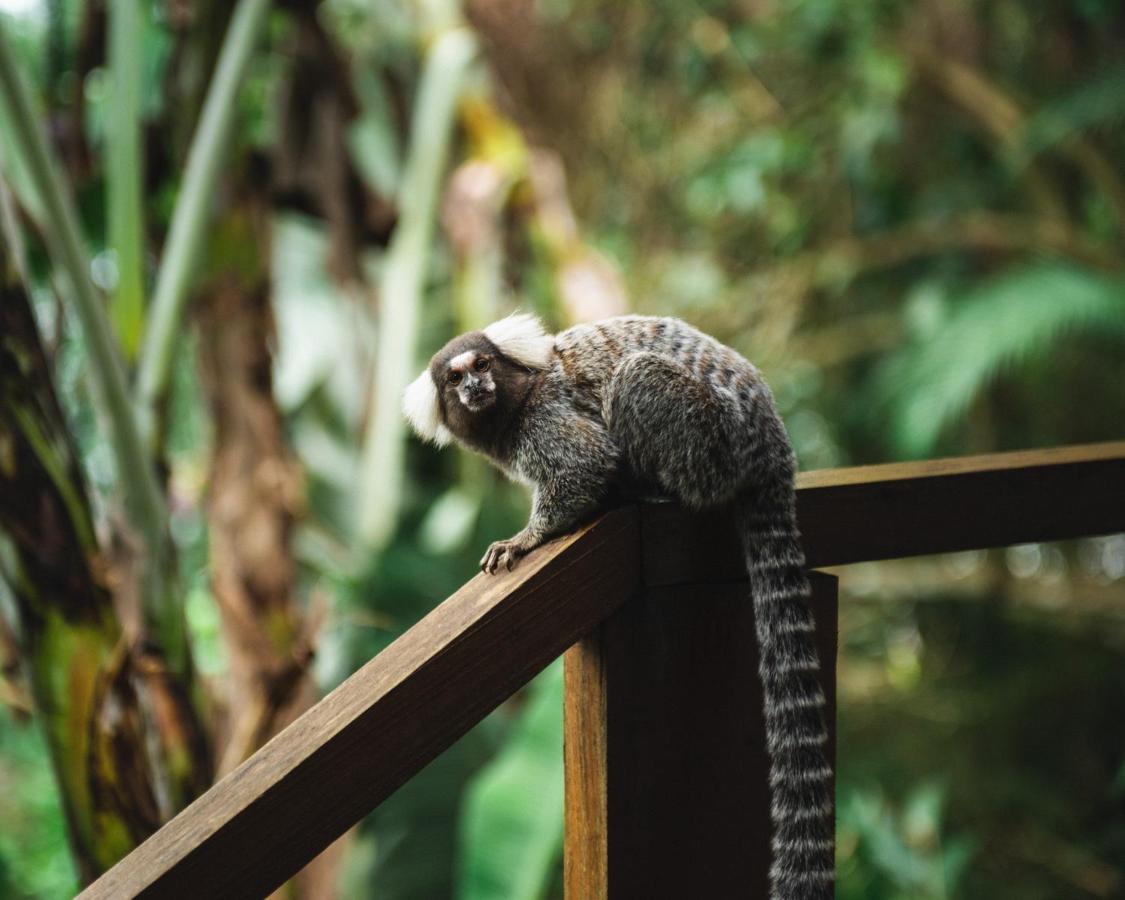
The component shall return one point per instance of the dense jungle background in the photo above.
(233, 232)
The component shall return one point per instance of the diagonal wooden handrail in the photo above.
(260, 824)
(264, 821)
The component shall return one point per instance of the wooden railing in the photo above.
(665, 768)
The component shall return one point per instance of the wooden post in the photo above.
(666, 766)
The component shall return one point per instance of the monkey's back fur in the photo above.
(635, 407)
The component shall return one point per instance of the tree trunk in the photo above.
(254, 493)
(98, 695)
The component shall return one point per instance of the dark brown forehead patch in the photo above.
(473, 342)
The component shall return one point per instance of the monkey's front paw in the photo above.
(502, 553)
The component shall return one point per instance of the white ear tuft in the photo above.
(420, 406)
(522, 338)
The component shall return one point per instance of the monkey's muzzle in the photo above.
(476, 396)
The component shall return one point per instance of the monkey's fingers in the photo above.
(492, 558)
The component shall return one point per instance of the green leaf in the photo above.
(992, 329)
(1099, 101)
(192, 214)
(512, 825)
(415, 830)
(448, 525)
(144, 499)
(15, 168)
(125, 170)
(448, 62)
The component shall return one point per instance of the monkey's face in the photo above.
(469, 380)
(478, 386)
(477, 382)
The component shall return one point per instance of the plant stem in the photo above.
(193, 207)
(125, 172)
(143, 499)
(401, 289)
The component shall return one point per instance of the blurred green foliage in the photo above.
(911, 215)
(34, 859)
(1010, 717)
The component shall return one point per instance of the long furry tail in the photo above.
(800, 776)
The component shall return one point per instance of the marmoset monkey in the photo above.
(641, 407)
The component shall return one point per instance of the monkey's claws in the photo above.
(501, 553)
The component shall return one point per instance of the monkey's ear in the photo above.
(522, 338)
(423, 412)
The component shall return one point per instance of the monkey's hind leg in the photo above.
(678, 430)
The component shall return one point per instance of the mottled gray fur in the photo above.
(633, 407)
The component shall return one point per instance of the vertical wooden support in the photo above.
(666, 766)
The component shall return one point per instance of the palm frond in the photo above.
(994, 328)
(1097, 103)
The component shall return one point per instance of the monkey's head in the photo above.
(477, 380)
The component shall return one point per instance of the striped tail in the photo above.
(800, 777)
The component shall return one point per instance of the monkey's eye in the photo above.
(453, 377)
(482, 364)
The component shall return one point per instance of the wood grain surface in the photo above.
(910, 509)
(666, 766)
